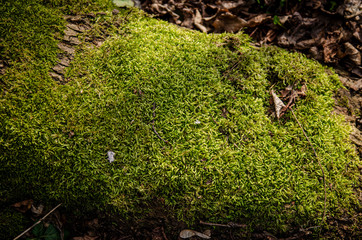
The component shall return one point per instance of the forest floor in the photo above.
(331, 34)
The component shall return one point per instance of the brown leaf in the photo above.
(256, 21)
(23, 206)
(357, 71)
(158, 8)
(303, 91)
(232, 4)
(358, 34)
(285, 40)
(270, 36)
(186, 233)
(227, 22)
(315, 53)
(330, 51)
(37, 210)
(198, 22)
(284, 93)
(353, 54)
(306, 44)
(188, 17)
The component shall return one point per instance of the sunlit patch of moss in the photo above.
(228, 159)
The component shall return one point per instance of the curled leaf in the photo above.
(187, 233)
(277, 103)
(198, 22)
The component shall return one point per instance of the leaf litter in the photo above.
(330, 33)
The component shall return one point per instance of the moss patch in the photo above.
(227, 159)
(12, 223)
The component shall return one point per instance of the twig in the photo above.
(153, 125)
(319, 163)
(231, 234)
(58, 225)
(164, 234)
(229, 225)
(302, 232)
(214, 119)
(269, 235)
(251, 34)
(236, 63)
(122, 238)
(27, 230)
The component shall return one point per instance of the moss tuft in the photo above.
(12, 223)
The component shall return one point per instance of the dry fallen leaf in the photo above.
(227, 22)
(187, 233)
(303, 91)
(277, 103)
(207, 232)
(353, 53)
(23, 206)
(259, 19)
(198, 22)
(37, 210)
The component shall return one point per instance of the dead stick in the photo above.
(214, 224)
(153, 125)
(229, 225)
(319, 163)
(226, 74)
(164, 234)
(27, 230)
(214, 119)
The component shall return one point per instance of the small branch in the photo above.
(256, 29)
(122, 238)
(214, 119)
(236, 63)
(27, 230)
(319, 163)
(164, 234)
(153, 126)
(229, 225)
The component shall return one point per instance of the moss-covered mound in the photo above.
(189, 120)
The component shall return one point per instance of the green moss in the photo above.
(238, 164)
(12, 223)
